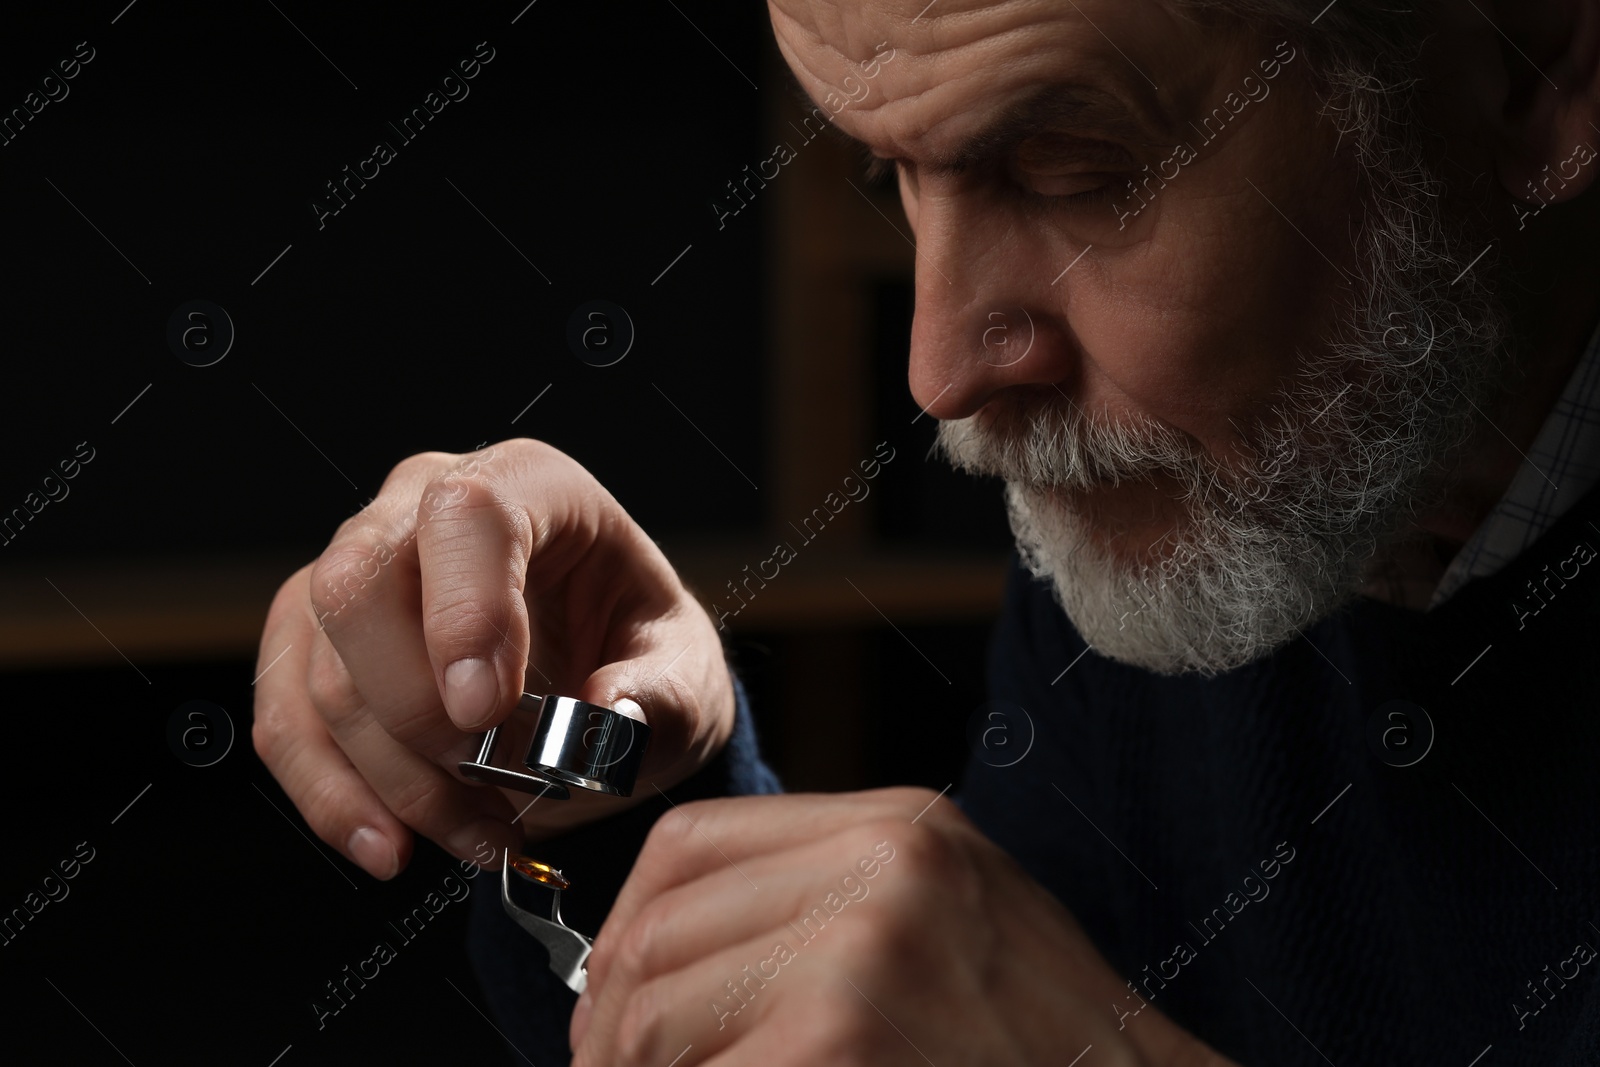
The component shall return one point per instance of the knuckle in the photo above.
(526, 447)
(331, 688)
(680, 830)
(340, 575)
(458, 513)
(529, 457)
(269, 733)
(320, 802)
(347, 528)
(639, 1029)
(456, 618)
(420, 801)
(322, 806)
(636, 949)
(892, 939)
(455, 505)
(532, 450)
(460, 623)
(926, 852)
(668, 836)
(287, 602)
(931, 856)
(448, 489)
(415, 467)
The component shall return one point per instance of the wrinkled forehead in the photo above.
(916, 79)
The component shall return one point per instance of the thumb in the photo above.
(641, 690)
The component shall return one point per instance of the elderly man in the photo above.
(1300, 465)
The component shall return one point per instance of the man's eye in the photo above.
(1063, 189)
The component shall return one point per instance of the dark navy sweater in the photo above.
(1284, 860)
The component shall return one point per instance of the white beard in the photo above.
(1354, 448)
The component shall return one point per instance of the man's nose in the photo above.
(990, 310)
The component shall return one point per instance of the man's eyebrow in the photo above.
(1058, 107)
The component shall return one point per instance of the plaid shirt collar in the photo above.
(1561, 466)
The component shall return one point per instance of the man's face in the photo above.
(1221, 409)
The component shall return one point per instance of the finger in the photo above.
(528, 526)
(801, 892)
(467, 821)
(366, 591)
(689, 1015)
(291, 739)
(691, 840)
(680, 692)
(474, 545)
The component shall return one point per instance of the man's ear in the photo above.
(1550, 125)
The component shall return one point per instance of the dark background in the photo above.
(183, 161)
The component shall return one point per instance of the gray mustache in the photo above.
(1065, 450)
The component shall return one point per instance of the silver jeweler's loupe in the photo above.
(574, 744)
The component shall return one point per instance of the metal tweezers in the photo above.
(569, 950)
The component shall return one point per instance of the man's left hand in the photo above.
(857, 928)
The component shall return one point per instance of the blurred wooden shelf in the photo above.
(150, 610)
(849, 588)
(66, 613)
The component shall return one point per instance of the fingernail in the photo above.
(483, 842)
(580, 1020)
(373, 853)
(471, 692)
(629, 707)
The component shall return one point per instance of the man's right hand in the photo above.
(468, 580)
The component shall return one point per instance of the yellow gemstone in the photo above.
(542, 873)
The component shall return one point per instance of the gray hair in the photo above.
(1361, 52)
